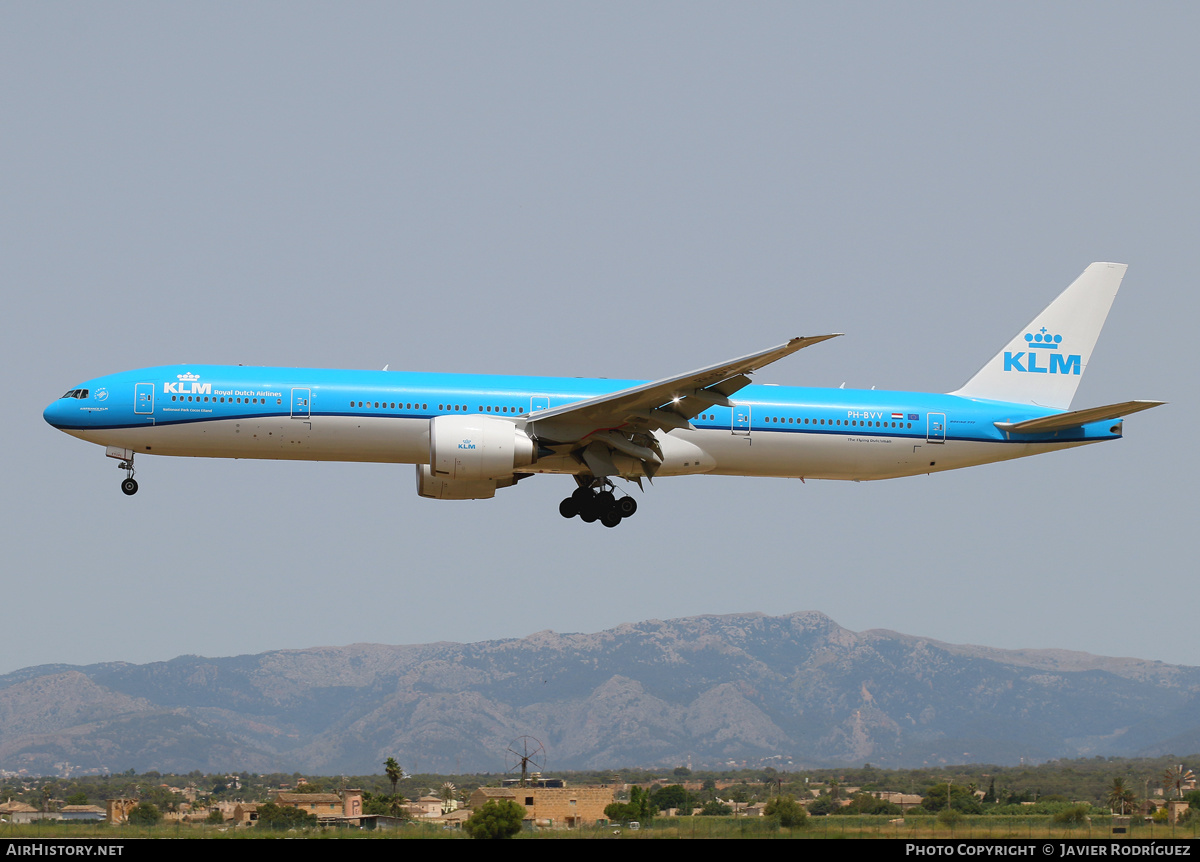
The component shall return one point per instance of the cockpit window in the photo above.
(76, 393)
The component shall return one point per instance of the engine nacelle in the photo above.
(439, 488)
(477, 449)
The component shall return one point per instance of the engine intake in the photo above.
(477, 448)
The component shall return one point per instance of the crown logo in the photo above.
(189, 376)
(1044, 339)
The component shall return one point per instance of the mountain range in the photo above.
(791, 691)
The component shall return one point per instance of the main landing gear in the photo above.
(599, 504)
(129, 484)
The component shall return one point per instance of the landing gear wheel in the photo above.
(129, 486)
(595, 501)
(582, 495)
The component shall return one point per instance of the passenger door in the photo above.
(143, 399)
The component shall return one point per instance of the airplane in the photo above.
(470, 435)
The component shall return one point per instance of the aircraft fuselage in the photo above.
(470, 435)
(384, 416)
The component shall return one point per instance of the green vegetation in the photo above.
(496, 819)
(824, 805)
(145, 814)
(950, 817)
(865, 803)
(1069, 797)
(393, 771)
(1121, 797)
(672, 796)
(281, 818)
(964, 827)
(639, 808)
(787, 812)
(384, 804)
(961, 799)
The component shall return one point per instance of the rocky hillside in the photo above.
(799, 689)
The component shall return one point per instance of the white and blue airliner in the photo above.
(471, 434)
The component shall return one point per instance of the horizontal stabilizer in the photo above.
(1076, 418)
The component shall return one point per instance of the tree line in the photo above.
(1091, 780)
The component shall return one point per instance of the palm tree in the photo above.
(1121, 796)
(446, 792)
(394, 772)
(1176, 776)
(396, 806)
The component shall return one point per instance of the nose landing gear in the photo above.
(129, 485)
(597, 503)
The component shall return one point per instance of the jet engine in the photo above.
(471, 456)
(437, 488)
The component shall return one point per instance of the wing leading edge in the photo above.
(624, 421)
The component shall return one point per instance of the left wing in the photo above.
(625, 421)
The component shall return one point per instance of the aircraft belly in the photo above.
(786, 455)
(763, 453)
(319, 438)
(855, 457)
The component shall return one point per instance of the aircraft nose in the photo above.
(53, 414)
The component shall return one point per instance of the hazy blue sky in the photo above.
(595, 189)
